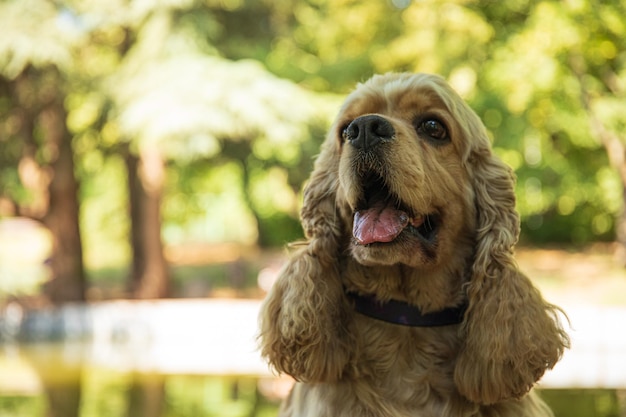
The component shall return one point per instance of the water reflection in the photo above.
(586, 402)
(36, 382)
(106, 393)
(54, 380)
(168, 359)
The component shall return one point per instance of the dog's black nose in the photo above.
(368, 131)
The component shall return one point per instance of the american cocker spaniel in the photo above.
(405, 299)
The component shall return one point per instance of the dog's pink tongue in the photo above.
(380, 223)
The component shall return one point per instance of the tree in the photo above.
(219, 112)
(175, 101)
(149, 272)
(32, 53)
(62, 218)
(185, 93)
(600, 70)
(557, 63)
(512, 61)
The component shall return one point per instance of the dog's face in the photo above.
(403, 185)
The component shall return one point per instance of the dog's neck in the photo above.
(427, 291)
(402, 313)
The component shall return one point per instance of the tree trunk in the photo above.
(149, 273)
(64, 398)
(62, 384)
(32, 175)
(146, 396)
(67, 281)
(615, 150)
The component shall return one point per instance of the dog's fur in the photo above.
(347, 364)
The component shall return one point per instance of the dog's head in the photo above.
(407, 177)
(402, 146)
(410, 172)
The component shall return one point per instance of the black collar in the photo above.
(400, 312)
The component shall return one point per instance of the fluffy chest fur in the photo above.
(415, 380)
(417, 368)
(414, 377)
(340, 400)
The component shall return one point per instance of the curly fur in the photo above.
(351, 365)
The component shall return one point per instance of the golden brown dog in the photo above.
(405, 299)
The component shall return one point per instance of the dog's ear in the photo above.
(510, 334)
(304, 318)
(320, 220)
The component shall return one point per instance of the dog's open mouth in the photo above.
(381, 216)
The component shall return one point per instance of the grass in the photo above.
(564, 275)
(591, 276)
(230, 278)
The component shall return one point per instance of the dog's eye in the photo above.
(434, 129)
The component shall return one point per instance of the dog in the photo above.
(405, 298)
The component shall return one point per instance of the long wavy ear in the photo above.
(321, 221)
(304, 319)
(511, 335)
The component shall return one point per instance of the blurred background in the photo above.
(152, 154)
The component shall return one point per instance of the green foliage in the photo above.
(39, 37)
(22, 406)
(564, 185)
(104, 208)
(206, 82)
(514, 62)
(203, 203)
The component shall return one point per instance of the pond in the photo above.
(34, 386)
(198, 359)
(36, 381)
(107, 394)
(136, 359)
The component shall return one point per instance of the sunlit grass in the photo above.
(590, 276)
